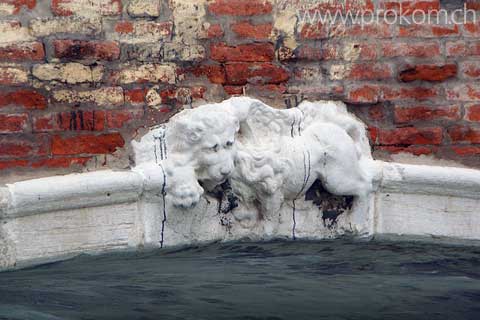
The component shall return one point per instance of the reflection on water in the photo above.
(335, 279)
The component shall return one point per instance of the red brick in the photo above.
(77, 120)
(18, 4)
(426, 113)
(215, 31)
(466, 150)
(234, 90)
(326, 51)
(463, 48)
(61, 162)
(463, 133)
(7, 164)
(410, 135)
(406, 93)
(254, 52)
(315, 31)
(470, 70)
(368, 71)
(87, 144)
(377, 112)
(240, 7)
(135, 96)
(255, 73)
(81, 49)
(13, 146)
(424, 49)
(117, 119)
(415, 150)
(214, 73)
(428, 72)
(472, 112)
(373, 134)
(428, 31)
(471, 29)
(124, 27)
(29, 51)
(473, 4)
(29, 99)
(407, 7)
(363, 94)
(62, 8)
(464, 92)
(380, 30)
(13, 123)
(245, 29)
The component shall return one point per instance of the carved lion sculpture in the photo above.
(270, 155)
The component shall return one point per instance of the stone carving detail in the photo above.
(269, 157)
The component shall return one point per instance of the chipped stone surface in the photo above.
(144, 8)
(142, 32)
(71, 73)
(47, 26)
(190, 20)
(87, 8)
(146, 73)
(103, 96)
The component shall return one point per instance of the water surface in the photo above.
(334, 279)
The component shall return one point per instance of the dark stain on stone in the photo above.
(332, 206)
(227, 201)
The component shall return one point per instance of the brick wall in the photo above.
(79, 79)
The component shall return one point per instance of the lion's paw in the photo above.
(186, 196)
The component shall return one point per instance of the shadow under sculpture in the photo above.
(240, 168)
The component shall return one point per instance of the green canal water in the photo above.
(334, 279)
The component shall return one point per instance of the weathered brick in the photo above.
(240, 7)
(29, 99)
(142, 31)
(13, 123)
(13, 75)
(71, 73)
(463, 92)
(144, 8)
(462, 48)
(86, 50)
(470, 70)
(214, 73)
(87, 144)
(86, 7)
(363, 94)
(424, 49)
(472, 4)
(361, 71)
(245, 29)
(407, 93)
(12, 32)
(11, 7)
(374, 30)
(428, 72)
(426, 113)
(464, 133)
(472, 112)
(256, 73)
(135, 96)
(105, 96)
(154, 73)
(16, 146)
(254, 52)
(215, 31)
(428, 31)
(43, 27)
(60, 162)
(466, 150)
(7, 164)
(471, 29)
(355, 50)
(415, 150)
(27, 51)
(117, 119)
(166, 52)
(408, 7)
(410, 136)
(77, 120)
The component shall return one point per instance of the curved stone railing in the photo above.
(237, 169)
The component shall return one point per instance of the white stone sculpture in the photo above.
(269, 157)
